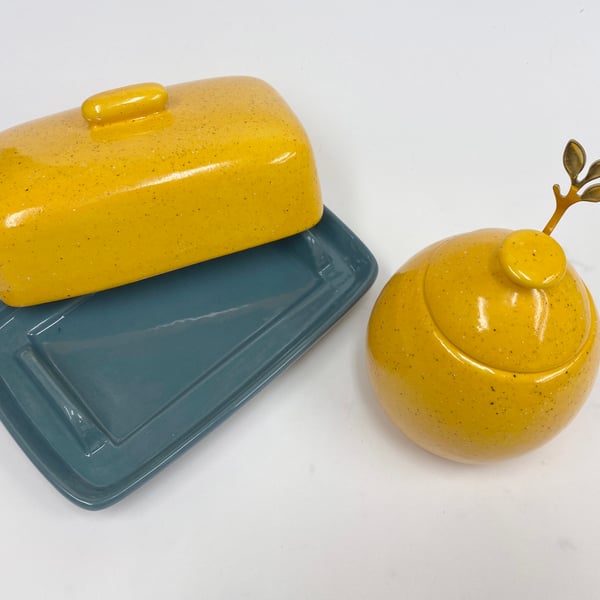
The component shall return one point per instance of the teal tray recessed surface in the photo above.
(104, 390)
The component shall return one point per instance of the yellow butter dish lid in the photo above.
(145, 179)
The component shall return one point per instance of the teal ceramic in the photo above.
(104, 390)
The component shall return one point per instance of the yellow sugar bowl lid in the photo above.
(508, 300)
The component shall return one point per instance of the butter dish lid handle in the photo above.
(124, 104)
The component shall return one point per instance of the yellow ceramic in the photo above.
(485, 345)
(146, 179)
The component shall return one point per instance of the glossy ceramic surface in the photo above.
(473, 361)
(145, 179)
(104, 390)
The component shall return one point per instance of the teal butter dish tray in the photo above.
(104, 390)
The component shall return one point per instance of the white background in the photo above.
(427, 119)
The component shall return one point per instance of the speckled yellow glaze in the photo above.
(472, 362)
(145, 179)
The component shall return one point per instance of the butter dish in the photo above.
(104, 390)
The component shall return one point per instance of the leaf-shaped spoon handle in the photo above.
(574, 160)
